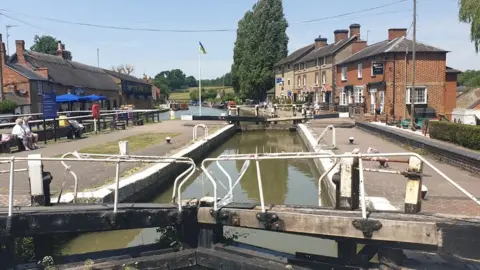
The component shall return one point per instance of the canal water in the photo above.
(292, 181)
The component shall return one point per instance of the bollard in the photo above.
(294, 109)
(123, 145)
(349, 184)
(256, 110)
(36, 180)
(238, 111)
(275, 110)
(413, 194)
(172, 115)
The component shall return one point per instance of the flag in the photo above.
(202, 49)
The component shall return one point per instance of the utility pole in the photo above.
(412, 89)
(2, 97)
(8, 26)
(98, 57)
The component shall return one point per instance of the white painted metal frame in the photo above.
(195, 132)
(86, 157)
(315, 155)
(324, 132)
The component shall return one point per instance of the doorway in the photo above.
(381, 98)
(373, 100)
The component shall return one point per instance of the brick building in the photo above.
(133, 90)
(379, 77)
(27, 74)
(314, 73)
(284, 74)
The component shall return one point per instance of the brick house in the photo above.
(27, 74)
(133, 90)
(379, 77)
(315, 72)
(284, 74)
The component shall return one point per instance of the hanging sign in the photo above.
(377, 69)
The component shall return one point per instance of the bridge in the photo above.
(200, 222)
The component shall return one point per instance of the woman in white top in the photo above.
(33, 136)
(19, 131)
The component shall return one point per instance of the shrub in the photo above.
(7, 106)
(464, 135)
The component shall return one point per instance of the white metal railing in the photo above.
(195, 131)
(314, 155)
(85, 157)
(324, 132)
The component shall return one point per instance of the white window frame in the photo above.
(317, 62)
(323, 61)
(343, 101)
(360, 70)
(324, 78)
(298, 80)
(407, 96)
(358, 94)
(371, 68)
(316, 78)
(304, 80)
(344, 73)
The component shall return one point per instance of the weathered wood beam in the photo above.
(452, 234)
(31, 221)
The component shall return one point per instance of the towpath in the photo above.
(442, 197)
(91, 175)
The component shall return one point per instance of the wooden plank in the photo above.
(89, 219)
(416, 232)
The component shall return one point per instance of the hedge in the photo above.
(464, 135)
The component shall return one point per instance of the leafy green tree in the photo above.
(261, 42)
(176, 79)
(469, 12)
(48, 45)
(190, 81)
(469, 78)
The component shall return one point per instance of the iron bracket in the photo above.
(270, 221)
(225, 217)
(367, 226)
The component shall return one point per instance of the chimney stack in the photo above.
(3, 52)
(341, 34)
(358, 46)
(355, 30)
(394, 33)
(320, 42)
(60, 49)
(20, 50)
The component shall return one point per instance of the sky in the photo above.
(153, 52)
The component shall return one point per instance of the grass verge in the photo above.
(135, 143)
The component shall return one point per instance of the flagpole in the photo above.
(199, 84)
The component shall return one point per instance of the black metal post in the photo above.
(55, 128)
(44, 131)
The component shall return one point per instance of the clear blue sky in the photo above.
(152, 52)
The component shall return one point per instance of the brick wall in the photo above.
(450, 94)
(430, 73)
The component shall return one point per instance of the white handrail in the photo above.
(119, 159)
(314, 155)
(334, 139)
(75, 179)
(195, 131)
(162, 159)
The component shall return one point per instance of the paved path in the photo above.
(442, 197)
(91, 175)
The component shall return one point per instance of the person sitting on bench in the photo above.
(19, 132)
(28, 131)
(74, 128)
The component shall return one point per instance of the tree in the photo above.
(261, 42)
(176, 78)
(125, 69)
(469, 78)
(469, 12)
(190, 81)
(48, 45)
